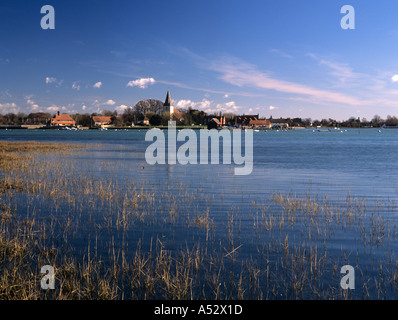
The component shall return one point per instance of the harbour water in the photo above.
(351, 176)
(360, 162)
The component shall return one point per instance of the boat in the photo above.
(68, 128)
(324, 130)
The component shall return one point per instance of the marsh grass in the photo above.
(112, 238)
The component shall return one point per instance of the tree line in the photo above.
(152, 112)
(145, 111)
(352, 122)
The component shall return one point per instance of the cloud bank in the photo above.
(243, 74)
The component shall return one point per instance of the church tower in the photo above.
(168, 105)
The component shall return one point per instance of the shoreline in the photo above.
(13, 127)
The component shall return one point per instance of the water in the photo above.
(337, 165)
(360, 162)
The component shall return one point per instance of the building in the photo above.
(280, 123)
(217, 120)
(168, 104)
(214, 123)
(62, 120)
(145, 122)
(101, 121)
(260, 124)
(244, 120)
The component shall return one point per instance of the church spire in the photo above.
(168, 103)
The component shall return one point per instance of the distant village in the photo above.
(155, 113)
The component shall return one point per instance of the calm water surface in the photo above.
(339, 164)
(363, 162)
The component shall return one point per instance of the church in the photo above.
(168, 104)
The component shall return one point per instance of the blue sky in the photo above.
(280, 58)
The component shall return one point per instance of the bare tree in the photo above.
(377, 121)
(130, 116)
(392, 121)
(144, 106)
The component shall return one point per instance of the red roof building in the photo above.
(62, 120)
(102, 120)
(260, 123)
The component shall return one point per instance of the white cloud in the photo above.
(110, 103)
(96, 105)
(53, 108)
(209, 106)
(50, 80)
(394, 78)
(231, 104)
(97, 85)
(242, 74)
(12, 105)
(203, 105)
(141, 83)
(34, 106)
(184, 104)
(84, 107)
(340, 84)
(226, 96)
(272, 108)
(121, 108)
(9, 107)
(228, 107)
(75, 86)
(68, 108)
(342, 74)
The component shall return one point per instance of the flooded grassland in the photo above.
(111, 236)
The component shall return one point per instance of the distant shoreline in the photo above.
(13, 127)
(24, 127)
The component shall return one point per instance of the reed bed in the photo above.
(114, 238)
